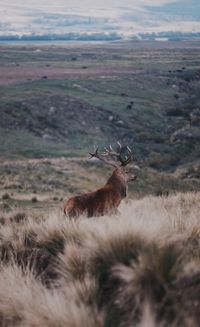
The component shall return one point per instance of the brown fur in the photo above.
(103, 201)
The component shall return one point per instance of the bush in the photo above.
(34, 199)
(5, 196)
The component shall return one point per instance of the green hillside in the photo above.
(61, 101)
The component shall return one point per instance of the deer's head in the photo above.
(119, 159)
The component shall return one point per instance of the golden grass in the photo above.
(140, 268)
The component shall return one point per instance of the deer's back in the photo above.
(98, 203)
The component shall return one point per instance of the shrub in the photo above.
(34, 199)
(5, 196)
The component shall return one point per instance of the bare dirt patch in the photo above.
(14, 74)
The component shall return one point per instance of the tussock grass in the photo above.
(140, 268)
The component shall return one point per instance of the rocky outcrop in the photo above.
(186, 133)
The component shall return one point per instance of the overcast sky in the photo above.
(127, 16)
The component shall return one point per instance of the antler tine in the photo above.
(109, 151)
(95, 153)
(119, 146)
(111, 148)
(106, 152)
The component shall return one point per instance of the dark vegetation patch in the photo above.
(55, 118)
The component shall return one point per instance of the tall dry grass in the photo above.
(140, 268)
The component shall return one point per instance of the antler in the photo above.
(101, 157)
(118, 154)
(109, 151)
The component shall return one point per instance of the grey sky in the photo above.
(127, 16)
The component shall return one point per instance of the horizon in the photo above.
(133, 18)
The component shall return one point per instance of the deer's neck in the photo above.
(118, 183)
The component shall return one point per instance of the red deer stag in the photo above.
(106, 199)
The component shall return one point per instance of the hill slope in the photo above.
(141, 94)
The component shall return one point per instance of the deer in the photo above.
(105, 200)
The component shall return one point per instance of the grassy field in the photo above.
(140, 268)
